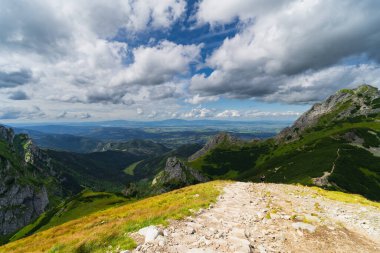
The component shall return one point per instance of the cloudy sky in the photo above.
(82, 60)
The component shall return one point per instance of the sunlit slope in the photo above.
(82, 204)
(102, 230)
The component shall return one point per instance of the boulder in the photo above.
(150, 233)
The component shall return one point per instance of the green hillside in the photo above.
(100, 171)
(343, 140)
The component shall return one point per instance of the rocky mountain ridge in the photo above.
(212, 143)
(175, 175)
(345, 104)
(335, 145)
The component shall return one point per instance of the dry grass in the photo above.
(107, 230)
(346, 197)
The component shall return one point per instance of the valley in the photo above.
(189, 126)
(97, 177)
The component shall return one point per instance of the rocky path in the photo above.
(270, 218)
(323, 180)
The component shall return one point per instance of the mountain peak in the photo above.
(212, 143)
(349, 105)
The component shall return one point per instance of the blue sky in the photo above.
(201, 59)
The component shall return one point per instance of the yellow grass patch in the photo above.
(346, 197)
(109, 229)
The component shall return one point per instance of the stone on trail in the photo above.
(150, 233)
(304, 226)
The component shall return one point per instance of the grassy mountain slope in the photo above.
(109, 229)
(100, 171)
(75, 207)
(339, 138)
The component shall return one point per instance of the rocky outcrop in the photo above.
(23, 196)
(176, 174)
(345, 104)
(6, 134)
(213, 143)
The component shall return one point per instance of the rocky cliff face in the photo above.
(212, 143)
(20, 204)
(344, 105)
(6, 134)
(176, 174)
(23, 196)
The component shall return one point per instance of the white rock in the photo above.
(150, 233)
(190, 230)
(124, 251)
(161, 240)
(260, 215)
(304, 226)
(261, 249)
(275, 216)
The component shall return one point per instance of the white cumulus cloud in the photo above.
(283, 42)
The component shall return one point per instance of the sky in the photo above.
(89, 60)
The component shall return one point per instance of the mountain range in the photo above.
(335, 145)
